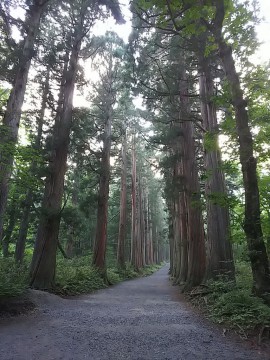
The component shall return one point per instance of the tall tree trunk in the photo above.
(20, 244)
(146, 229)
(103, 197)
(99, 257)
(141, 248)
(196, 243)
(184, 237)
(123, 208)
(170, 235)
(71, 241)
(219, 248)
(151, 256)
(252, 223)
(11, 121)
(134, 232)
(177, 242)
(44, 257)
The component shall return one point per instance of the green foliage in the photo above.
(114, 276)
(233, 304)
(210, 141)
(76, 276)
(13, 278)
(130, 273)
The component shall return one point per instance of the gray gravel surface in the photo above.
(135, 320)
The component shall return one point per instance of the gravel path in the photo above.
(137, 319)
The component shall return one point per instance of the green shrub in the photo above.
(233, 304)
(150, 269)
(114, 276)
(13, 278)
(129, 272)
(76, 276)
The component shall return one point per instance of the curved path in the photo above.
(138, 319)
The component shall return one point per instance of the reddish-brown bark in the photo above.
(219, 248)
(44, 257)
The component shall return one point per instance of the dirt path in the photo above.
(137, 319)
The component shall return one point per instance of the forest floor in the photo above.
(145, 318)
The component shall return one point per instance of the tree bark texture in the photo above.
(99, 257)
(252, 223)
(103, 197)
(134, 231)
(44, 257)
(195, 233)
(219, 248)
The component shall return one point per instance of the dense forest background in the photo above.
(115, 156)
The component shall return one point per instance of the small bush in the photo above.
(13, 278)
(233, 304)
(114, 276)
(150, 269)
(76, 276)
(131, 273)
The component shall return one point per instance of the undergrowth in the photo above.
(73, 276)
(13, 278)
(77, 276)
(232, 303)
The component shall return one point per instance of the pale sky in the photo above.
(263, 31)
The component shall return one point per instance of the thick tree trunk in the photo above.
(44, 257)
(11, 121)
(20, 244)
(219, 248)
(123, 208)
(195, 234)
(196, 245)
(177, 191)
(252, 224)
